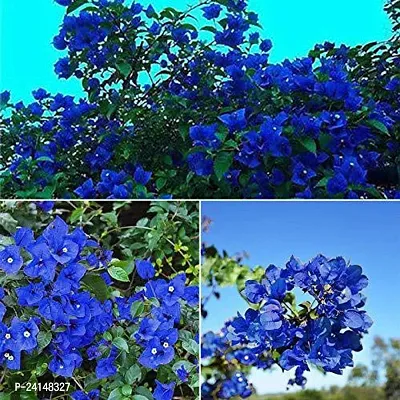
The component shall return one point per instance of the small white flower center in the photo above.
(11, 358)
(7, 336)
(154, 351)
(78, 306)
(351, 164)
(337, 116)
(27, 334)
(64, 250)
(305, 172)
(6, 355)
(240, 380)
(246, 357)
(165, 345)
(10, 260)
(61, 366)
(171, 289)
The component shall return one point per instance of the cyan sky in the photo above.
(367, 233)
(27, 28)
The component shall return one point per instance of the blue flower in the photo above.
(235, 121)
(64, 3)
(212, 11)
(80, 395)
(205, 136)
(170, 292)
(43, 263)
(11, 260)
(266, 45)
(23, 237)
(191, 295)
(65, 365)
(86, 190)
(105, 368)
(145, 269)
(200, 164)
(31, 294)
(164, 391)
(25, 334)
(141, 176)
(182, 374)
(155, 354)
(11, 358)
(4, 97)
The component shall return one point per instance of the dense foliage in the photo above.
(322, 331)
(102, 297)
(187, 104)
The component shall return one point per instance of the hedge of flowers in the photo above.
(70, 311)
(323, 331)
(187, 104)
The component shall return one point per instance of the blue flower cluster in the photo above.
(324, 331)
(68, 322)
(52, 267)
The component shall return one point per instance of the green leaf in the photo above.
(115, 395)
(75, 5)
(222, 164)
(209, 29)
(137, 308)
(110, 217)
(8, 222)
(118, 274)
(309, 144)
(134, 374)
(191, 346)
(126, 390)
(139, 397)
(120, 343)
(43, 339)
(323, 182)
(76, 214)
(144, 392)
(379, 126)
(124, 68)
(97, 286)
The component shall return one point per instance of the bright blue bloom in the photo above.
(235, 121)
(212, 11)
(170, 292)
(11, 260)
(200, 164)
(23, 237)
(92, 395)
(155, 354)
(86, 190)
(141, 176)
(145, 269)
(64, 3)
(105, 368)
(5, 97)
(182, 374)
(25, 334)
(164, 391)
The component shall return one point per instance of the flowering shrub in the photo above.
(323, 331)
(187, 104)
(72, 312)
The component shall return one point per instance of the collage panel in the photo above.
(99, 300)
(202, 99)
(300, 301)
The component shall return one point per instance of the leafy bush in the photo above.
(101, 300)
(186, 104)
(323, 331)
